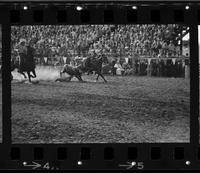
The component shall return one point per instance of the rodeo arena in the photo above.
(1, 126)
(100, 83)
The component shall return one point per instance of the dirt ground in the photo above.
(125, 110)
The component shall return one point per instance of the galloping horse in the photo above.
(25, 63)
(95, 64)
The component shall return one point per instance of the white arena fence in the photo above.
(144, 65)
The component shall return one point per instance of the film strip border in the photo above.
(131, 157)
(102, 13)
(105, 156)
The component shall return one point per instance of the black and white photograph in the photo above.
(1, 127)
(199, 74)
(100, 83)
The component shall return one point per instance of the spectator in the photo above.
(119, 69)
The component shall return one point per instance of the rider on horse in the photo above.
(92, 56)
(26, 61)
(26, 53)
(31, 53)
(22, 54)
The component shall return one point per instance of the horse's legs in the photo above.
(29, 76)
(102, 77)
(97, 77)
(79, 78)
(33, 71)
(70, 77)
(22, 73)
(89, 69)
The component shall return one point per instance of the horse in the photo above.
(24, 63)
(94, 64)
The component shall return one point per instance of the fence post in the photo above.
(187, 69)
(187, 72)
(148, 67)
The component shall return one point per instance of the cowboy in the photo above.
(31, 53)
(92, 55)
(88, 63)
(22, 53)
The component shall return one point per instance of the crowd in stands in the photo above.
(113, 40)
(54, 43)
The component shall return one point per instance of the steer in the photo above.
(71, 71)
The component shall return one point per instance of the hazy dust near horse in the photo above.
(24, 63)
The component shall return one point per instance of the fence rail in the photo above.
(61, 60)
(166, 67)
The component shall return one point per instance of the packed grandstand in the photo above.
(113, 40)
(131, 45)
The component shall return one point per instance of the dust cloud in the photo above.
(44, 73)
